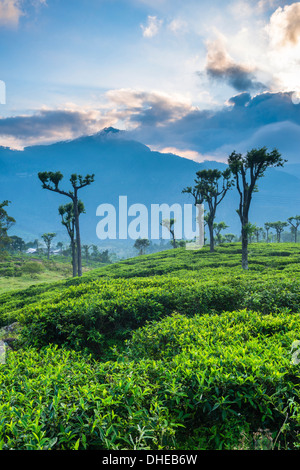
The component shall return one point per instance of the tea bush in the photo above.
(228, 374)
(105, 306)
(32, 267)
(177, 350)
(196, 383)
(58, 400)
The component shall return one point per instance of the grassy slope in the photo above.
(265, 260)
(58, 268)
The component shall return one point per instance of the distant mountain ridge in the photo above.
(123, 167)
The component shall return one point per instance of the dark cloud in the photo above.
(240, 100)
(48, 126)
(148, 108)
(263, 119)
(221, 66)
(270, 119)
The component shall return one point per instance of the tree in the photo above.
(229, 237)
(86, 250)
(95, 251)
(251, 229)
(218, 227)
(294, 222)
(279, 228)
(267, 229)
(6, 222)
(104, 257)
(213, 186)
(17, 243)
(170, 225)
(195, 192)
(68, 220)
(247, 170)
(60, 246)
(141, 244)
(51, 182)
(48, 237)
(257, 232)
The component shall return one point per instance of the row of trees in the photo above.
(211, 187)
(243, 173)
(6, 222)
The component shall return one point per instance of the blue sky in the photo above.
(194, 77)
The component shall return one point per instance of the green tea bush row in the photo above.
(232, 377)
(97, 315)
(59, 400)
(205, 382)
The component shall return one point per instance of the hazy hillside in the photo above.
(122, 167)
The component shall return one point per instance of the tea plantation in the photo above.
(176, 350)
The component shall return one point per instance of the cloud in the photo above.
(48, 126)
(220, 66)
(152, 27)
(177, 26)
(10, 12)
(185, 153)
(170, 124)
(266, 4)
(284, 27)
(244, 121)
(148, 108)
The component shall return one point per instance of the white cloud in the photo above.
(284, 47)
(284, 27)
(177, 26)
(187, 153)
(152, 28)
(264, 4)
(139, 107)
(10, 12)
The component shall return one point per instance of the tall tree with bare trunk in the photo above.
(247, 170)
(50, 181)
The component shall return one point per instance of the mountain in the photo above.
(122, 167)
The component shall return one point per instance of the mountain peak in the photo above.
(108, 133)
(108, 130)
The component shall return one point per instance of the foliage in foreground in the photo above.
(207, 382)
(176, 350)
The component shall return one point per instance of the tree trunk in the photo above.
(211, 237)
(244, 221)
(244, 247)
(78, 241)
(173, 239)
(74, 263)
(201, 226)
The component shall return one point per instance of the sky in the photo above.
(198, 78)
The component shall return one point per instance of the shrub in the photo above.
(60, 400)
(203, 383)
(32, 267)
(227, 375)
